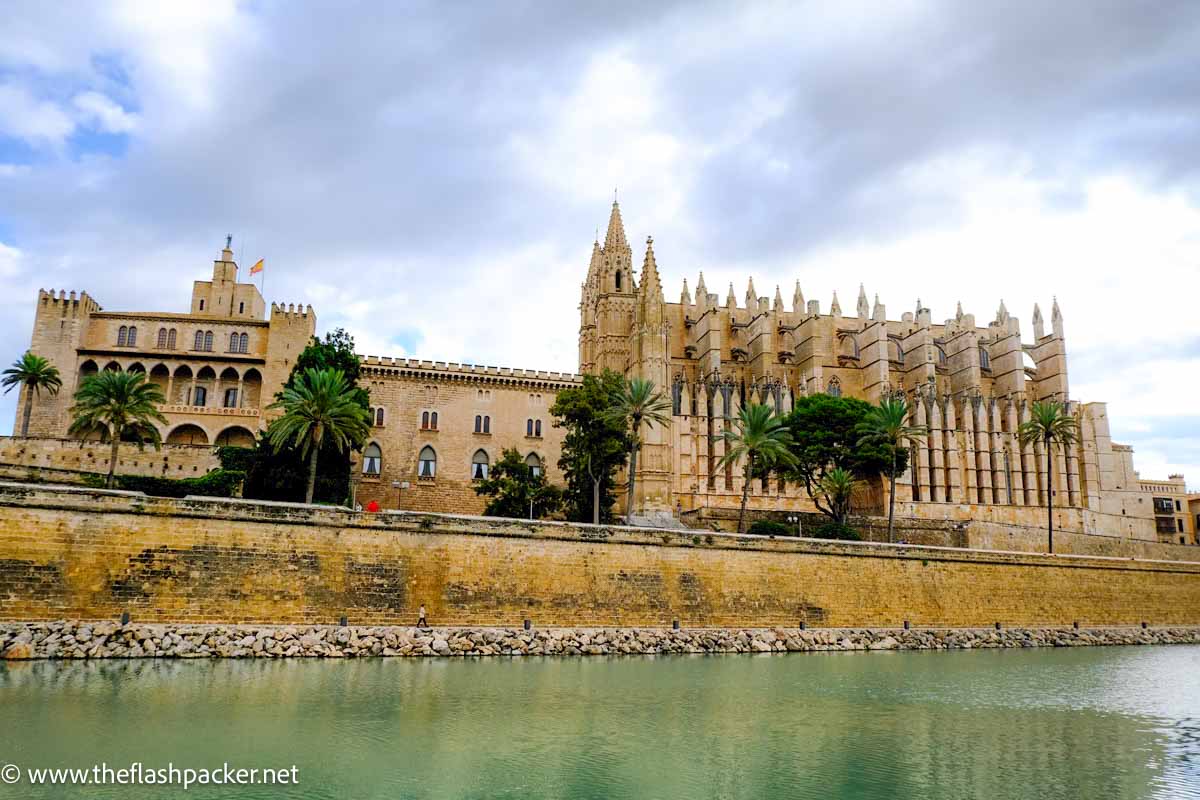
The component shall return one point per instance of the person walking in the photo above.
(421, 623)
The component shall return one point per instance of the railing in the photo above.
(220, 411)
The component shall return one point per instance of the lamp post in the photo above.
(354, 478)
(399, 486)
(799, 520)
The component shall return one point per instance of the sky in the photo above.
(431, 176)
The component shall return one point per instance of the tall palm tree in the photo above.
(887, 425)
(637, 403)
(1049, 422)
(124, 404)
(762, 438)
(34, 373)
(318, 404)
(838, 487)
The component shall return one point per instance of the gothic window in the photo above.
(985, 360)
(379, 417)
(433, 421)
(537, 428)
(487, 424)
(676, 397)
(231, 398)
(244, 343)
(835, 387)
(162, 338)
(424, 420)
(479, 423)
(427, 463)
(941, 355)
(171, 339)
(534, 463)
(372, 460)
(122, 335)
(241, 308)
(199, 340)
(529, 427)
(233, 342)
(132, 335)
(618, 280)
(201, 305)
(199, 396)
(479, 466)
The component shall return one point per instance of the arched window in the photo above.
(433, 421)
(425, 420)
(171, 339)
(233, 342)
(427, 463)
(372, 459)
(479, 466)
(241, 308)
(379, 417)
(534, 463)
(199, 396)
(618, 280)
(244, 343)
(985, 359)
(537, 427)
(122, 334)
(529, 427)
(231, 400)
(162, 338)
(487, 424)
(941, 355)
(208, 341)
(132, 335)
(835, 387)
(199, 341)
(479, 423)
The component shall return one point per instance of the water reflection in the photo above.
(1103, 722)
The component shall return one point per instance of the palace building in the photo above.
(437, 426)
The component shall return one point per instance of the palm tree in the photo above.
(887, 424)
(762, 438)
(1049, 422)
(838, 487)
(34, 373)
(318, 404)
(636, 402)
(124, 404)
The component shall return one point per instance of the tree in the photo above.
(317, 405)
(637, 403)
(124, 404)
(837, 487)
(826, 435)
(515, 491)
(34, 373)
(282, 474)
(594, 446)
(887, 425)
(1049, 422)
(762, 439)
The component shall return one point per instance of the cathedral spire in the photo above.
(797, 298)
(864, 310)
(878, 311)
(1039, 325)
(778, 299)
(1002, 313)
(835, 308)
(616, 229)
(685, 297)
(731, 298)
(651, 286)
(751, 295)
(1056, 319)
(958, 312)
(701, 291)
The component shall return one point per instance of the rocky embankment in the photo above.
(35, 640)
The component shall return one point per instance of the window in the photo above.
(433, 421)
(171, 339)
(122, 334)
(233, 342)
(1179, 522)
(201, 305)
(1177, 506)
(424, 420)
(1164, 524)
(379, 417)
(529, 427)
(231, 398)
(132, 335)
(537, 427)
(241, 308)
(162, 338)
(618, 280)
(199, 341)
(534, 463)
(487, 424)
(427, 464)
(429, 420)
(835, 387)
(372, 460)
(208, 341)
(985, 360)
(479, 423)
(479, 466)
(1163, 505)
(199, 396)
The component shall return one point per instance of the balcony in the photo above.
(216, 411)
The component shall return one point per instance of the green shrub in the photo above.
(218, 483)
(836, 530)
(769, 527)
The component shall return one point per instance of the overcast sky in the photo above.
(430, 176)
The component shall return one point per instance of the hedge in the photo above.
(218, 483)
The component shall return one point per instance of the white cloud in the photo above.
(96, 109)
(37, 122)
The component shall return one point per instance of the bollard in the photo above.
(1075, 624)
(342, 622)
(801, 624)
(528, 624)
(997, 626)
(125, 618)
(905, 624)
(1144, 625)
(674, 624)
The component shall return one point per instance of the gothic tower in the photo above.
(608, 300)
(650, 359)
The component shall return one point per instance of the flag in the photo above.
(257, 268)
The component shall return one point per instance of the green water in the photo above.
(1079, 723)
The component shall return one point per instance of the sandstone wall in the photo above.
(88, 554)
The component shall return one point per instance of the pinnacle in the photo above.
(616, 229)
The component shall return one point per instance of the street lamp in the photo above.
(799, 520)
(399, 486)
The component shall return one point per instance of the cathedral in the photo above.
(438, 426)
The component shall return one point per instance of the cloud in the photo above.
(430, 176)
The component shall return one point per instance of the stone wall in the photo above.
(48, 459)
(86, 554)
(978, 534)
